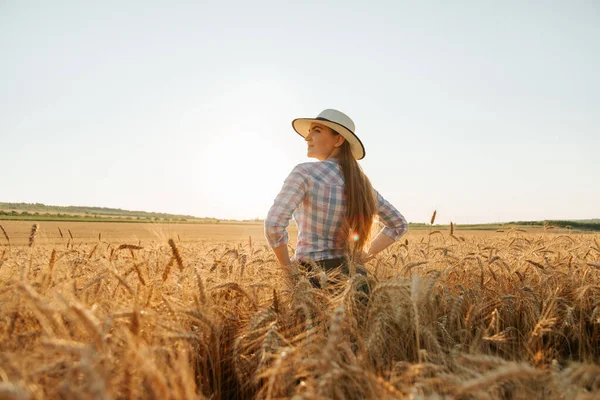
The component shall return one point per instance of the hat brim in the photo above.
(302, 126)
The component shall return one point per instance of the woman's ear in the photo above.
(339, 140)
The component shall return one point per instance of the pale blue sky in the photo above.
(486, 111)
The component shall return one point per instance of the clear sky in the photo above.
(486, 111)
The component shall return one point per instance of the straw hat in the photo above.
(339, 122)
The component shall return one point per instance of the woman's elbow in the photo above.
(275, 235)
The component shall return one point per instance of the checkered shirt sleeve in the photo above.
(289, 198)
(395, 224)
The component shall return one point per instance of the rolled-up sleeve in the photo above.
(394, 223)
(289, 198)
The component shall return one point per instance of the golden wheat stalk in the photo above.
(34, 229)
(5, 234)
(90, 322)
(200, 285)
(167, 270)
(123, 282)
(502, 374)
(176, 254)
(232, 286)
(138, 271)
(69, 346)
(537, 264)
(594, 264)
(51, 263)
(91, 253)
(129, 247)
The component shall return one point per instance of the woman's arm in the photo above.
(379, 243)
(395, 226)
(290, 271)
(282, 254)
(278, 218)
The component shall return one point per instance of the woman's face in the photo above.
(322, 142)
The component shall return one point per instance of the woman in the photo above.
(332, 201)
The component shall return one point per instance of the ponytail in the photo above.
(361, 205)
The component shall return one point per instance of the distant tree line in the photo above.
(95, 211)
(46, 215)
(53, 216)
(589, 225)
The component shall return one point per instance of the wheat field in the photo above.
(498, 315)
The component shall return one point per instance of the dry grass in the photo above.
(465, 316)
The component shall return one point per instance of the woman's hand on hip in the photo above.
(365, 257)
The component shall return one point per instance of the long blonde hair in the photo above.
(361, 205)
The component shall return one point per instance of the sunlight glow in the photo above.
(236, 168)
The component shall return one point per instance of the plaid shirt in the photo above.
(313, 194)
